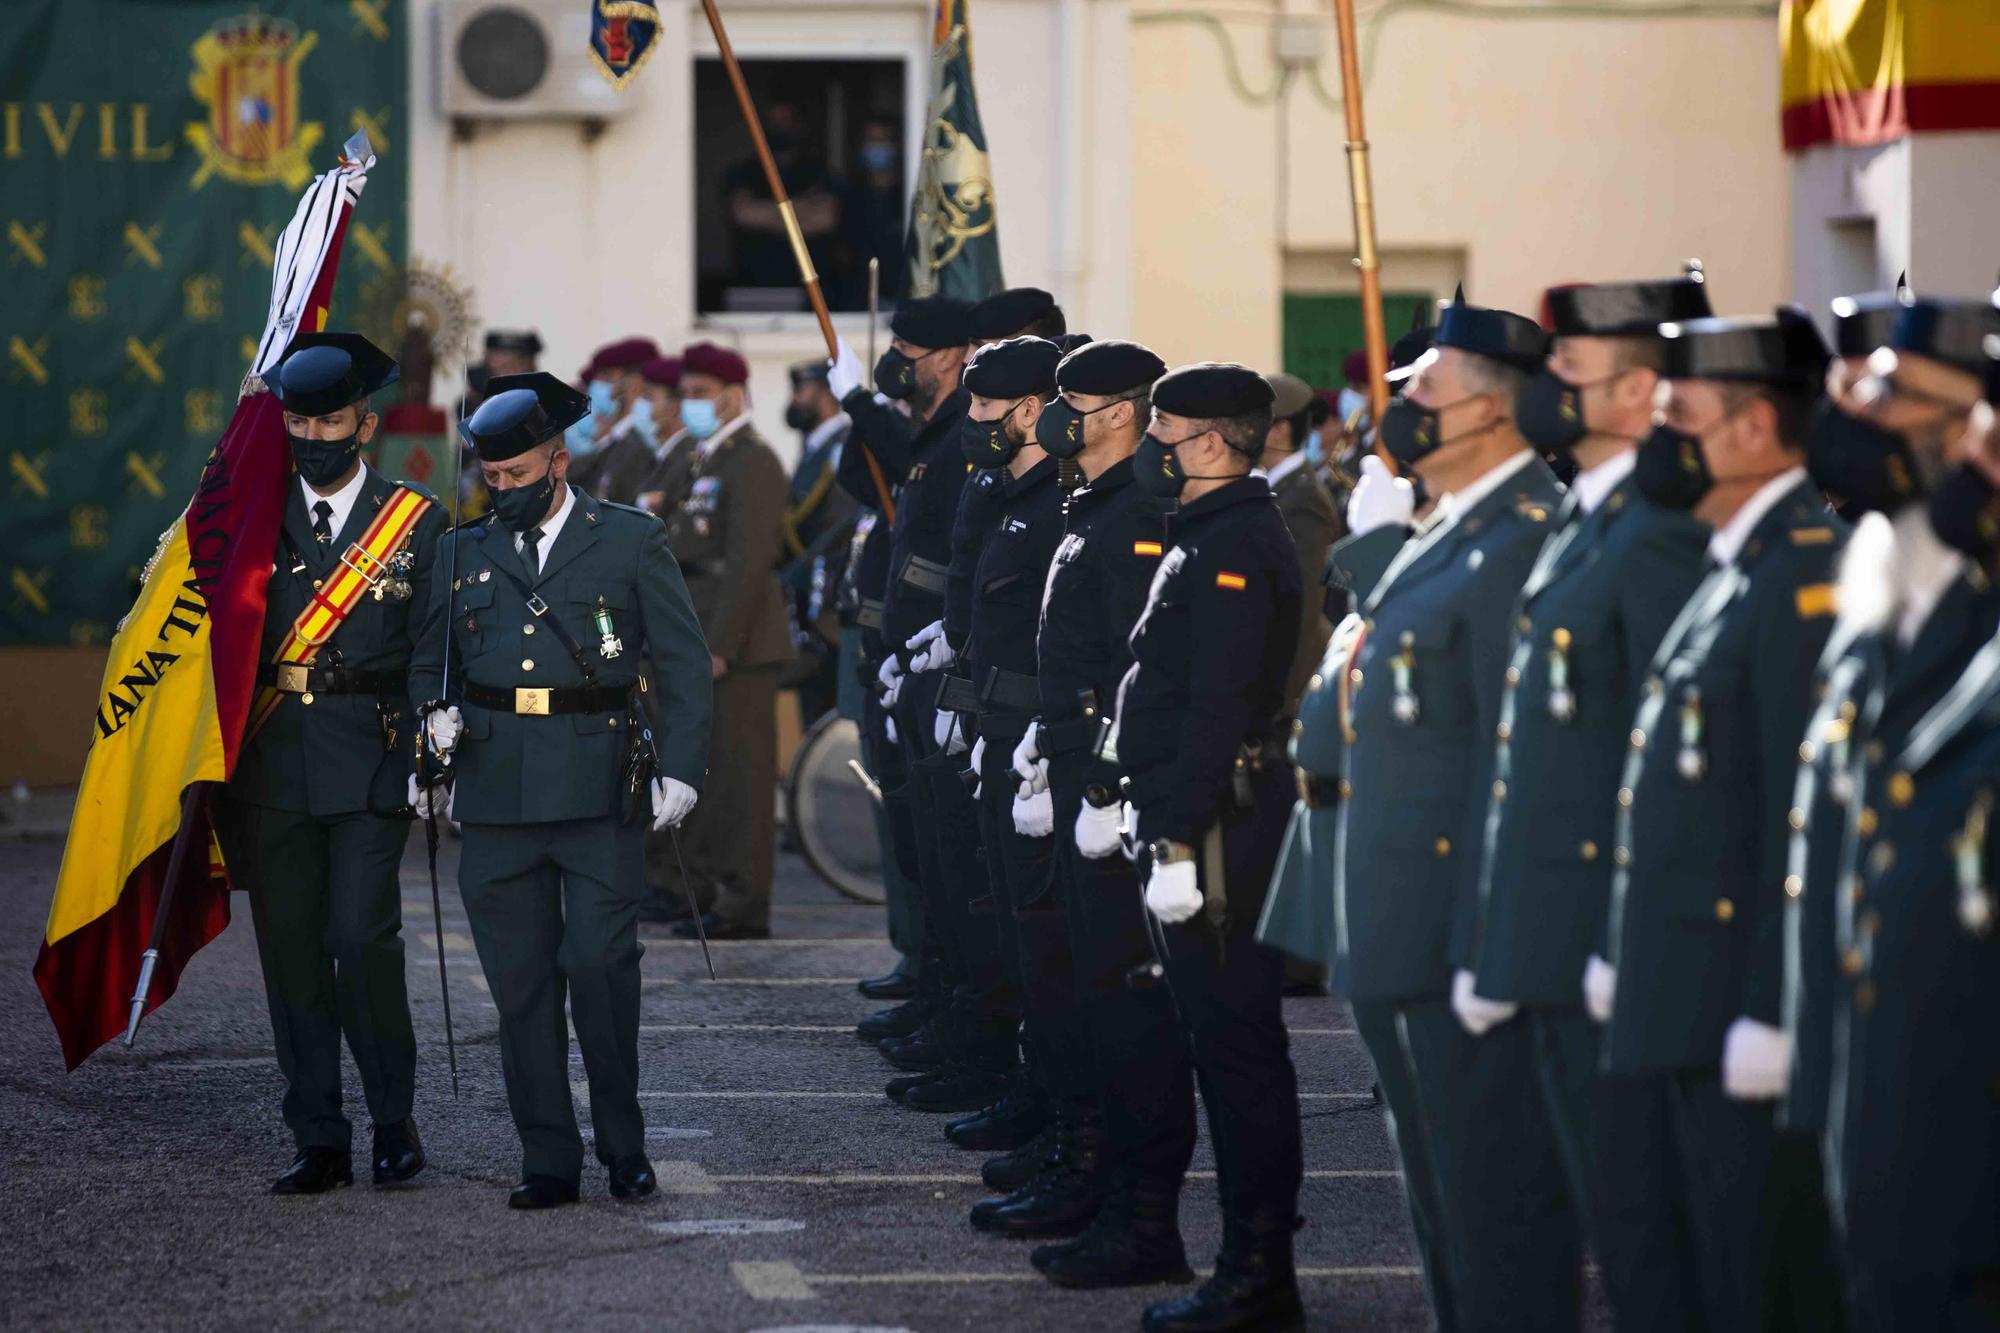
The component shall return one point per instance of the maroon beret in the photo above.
(661, 370)
(625, 354)
(709, 359)
(1354, 367)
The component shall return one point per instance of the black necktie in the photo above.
(531, 554)
(322, 528)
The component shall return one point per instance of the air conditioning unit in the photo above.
(520, 60)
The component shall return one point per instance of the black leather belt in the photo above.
(1065, 735)
(957, 694)
(1318, 790)
(298, 678)
(542, 701)
(1014, 691)
(926, 576)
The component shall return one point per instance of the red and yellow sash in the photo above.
(361, 567)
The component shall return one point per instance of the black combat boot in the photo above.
(899, 1086)
(1068, 1192)
(959, 1086)
(1011, 1170)
(1008, 1123)
(930, 1045)
(896, 1021)
(1134, 1241)
(1253, 1287)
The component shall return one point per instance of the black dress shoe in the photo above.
(632, 1177)
(958, 1087)
(1006, 1124)
(895, 986)
(542, 1192)
(926, 1048)
(1009, 1171)
(316, 1171)
(899, 1086)
(399, 1153)
(897, 1021)
(716, 928)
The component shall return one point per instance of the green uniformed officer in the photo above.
(1306, 505)
(314, 819)
(1690, 986)
(728, 534)
(1421, 677)
(556, 603)
(1601, 594)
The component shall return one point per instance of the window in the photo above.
(836, 128)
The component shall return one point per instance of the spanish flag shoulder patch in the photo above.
(1145, 548)
(1812, 536)
(1815, 600)
(1225, 579)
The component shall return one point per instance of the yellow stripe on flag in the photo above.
(1145, 548)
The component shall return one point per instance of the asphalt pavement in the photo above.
(794, 1195)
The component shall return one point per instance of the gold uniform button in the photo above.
(1513, 675)
(1443, 847)
(1805, 752)
(1346, 789)
(1797, 819)
(1621, 856)
(1504, 732)
(1638, 739)
(318, 584)
(1588, 851)
(1864, 996)
(1868, 821)
(1298, 728)
(1794, 886)
(527, 664)
(1725, 910)
(1499, 791)
(1625, 797)
(1852, 963)
(306, 698)
(1354, 678)
(1316, 681)
(527, 629)
(1902, 788)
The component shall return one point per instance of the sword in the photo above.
(694, 909)
(874, 303)
(874, 787)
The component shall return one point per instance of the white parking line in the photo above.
(781, 1281)
(847, 1030)
(727, 1226)
(747, 981)
(943, 1177)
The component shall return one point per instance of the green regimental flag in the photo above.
(150, 155)
(953, 246)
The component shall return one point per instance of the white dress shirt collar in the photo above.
(341, 501)
(551, 528)
(1726, 542)
(825, 431)
(729, 428)
(1465, 497)
(1593, 484)
(1285, 467)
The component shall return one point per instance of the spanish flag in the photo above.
(1872, 71)
(178, 688)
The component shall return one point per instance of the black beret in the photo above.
(1954, 332)
(1108, 368)
(1211, 389)
(1626, 309)
(1069, 342)
(1016, 368)
(520, 412)
(932, 322)
(1863, 323)
(525, 341)
(324, 372)
(1006, 313)
(1497, 335)
(1784, 351)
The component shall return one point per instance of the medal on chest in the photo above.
(1402, 671)
(1692, 761)
(608, 644)
(1975, 895)
(1562, 699)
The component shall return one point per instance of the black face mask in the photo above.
(522, 507)
(323, 462)
(896, 375)
(1670, 470)
(1862, 467)
(1964, 515)
(1156, 468)
(801, 418)
(1410, 432)
(1549, 413)
(990, 444)
(1060, 429)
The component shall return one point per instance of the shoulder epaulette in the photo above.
(630, 509)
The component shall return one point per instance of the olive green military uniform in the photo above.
(314, 820)
(728, 534)
(1307, 508)
(617, 470)
(551, 873)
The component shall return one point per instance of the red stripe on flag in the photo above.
(1883, 115)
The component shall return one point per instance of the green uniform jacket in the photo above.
(1418, 759)
(340, 753)
(1591, 616)
(617, 468)
(1307, 508)
(1703, 829)
(513, 768)
(728, 533)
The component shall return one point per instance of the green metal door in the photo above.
(1322, 328)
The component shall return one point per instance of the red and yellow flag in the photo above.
(1873, 71)
(178, 689)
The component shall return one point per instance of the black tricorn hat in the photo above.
(324, 372)
(1498, 335)
(520, 412)
(1784, 350)
(1863, 323)
(525, 341)
(1626, 309)
(1954, 332)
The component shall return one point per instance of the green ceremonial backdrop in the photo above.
(150, 153)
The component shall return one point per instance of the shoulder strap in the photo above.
(539, 609)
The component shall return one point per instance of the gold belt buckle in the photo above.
(531, 701)
(292, 677)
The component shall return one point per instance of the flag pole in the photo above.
(1367, 259)
(808, 276)
(190, 802)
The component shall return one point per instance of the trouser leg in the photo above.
(736, 813)
(1800, 1284)
(1725, 1157)
(599, 957)
(364, 939)
(1645, 1240)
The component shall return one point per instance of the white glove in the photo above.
(442, 727)
(843, 373)
(1172, 893)
(1035, 815)
(949, 732)
(889, 730)
(931, 650)
(1029, 765)
(978, 766)
(1476, 1014)
(1600, 984)
(1756, 1061)
(890, 678)
(1099, 832)
(1128, 832)
(1379, 499)
(424, 800)
(672, 800)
